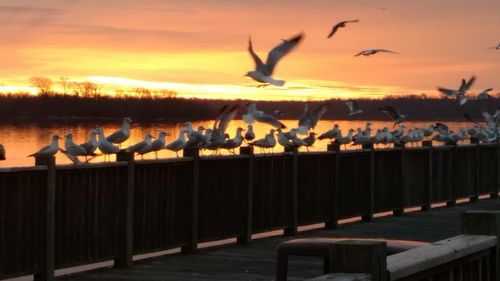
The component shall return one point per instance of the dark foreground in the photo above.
(257, 261)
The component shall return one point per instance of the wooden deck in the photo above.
(257, 260)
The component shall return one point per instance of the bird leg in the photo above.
(263, 85)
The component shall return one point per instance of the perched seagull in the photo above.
(179, 143)
(370, 52)
(156, 145)
(235, 142)
(497, 47)
(255, 115)
(263, 72)
(345, 140)
(310, 140)
(393, 113)
(484, 94)
(353, 107)
(73, 150)
(268, 142)
(309, 119)
(105, 146)
(195, 138)
(249, 135)
(121, 135)
(142, 145)
(461, 92)
(2, 152)
(339, 25)
(331, 134)
(49, 150)
(91, 145)
(284, 141)
(291, 134)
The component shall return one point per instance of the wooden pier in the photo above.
(57, 216)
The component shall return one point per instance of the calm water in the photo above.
(21, 140)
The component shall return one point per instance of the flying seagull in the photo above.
(484, 94)
(393, 113)
(339, 25)
(310, 118)
(256, 115)
(461, 92)
(370, 52)
(353, 107)
(263, 72)
(497, 47)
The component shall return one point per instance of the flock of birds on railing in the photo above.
(216, 138)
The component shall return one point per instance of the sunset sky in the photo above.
(199, 48)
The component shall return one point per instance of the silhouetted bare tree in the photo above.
(43, 84)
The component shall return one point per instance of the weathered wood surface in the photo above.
(343, 277)
(257, 261)
(426, 257)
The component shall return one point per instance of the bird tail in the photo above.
(278, 82)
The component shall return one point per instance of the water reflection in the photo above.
(22, 139)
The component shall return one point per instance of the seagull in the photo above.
(310, 140)
(2, 152)
(461, 92)
(235, 142)
(269, 141)
(484, 94)
(291, 134)
(156, 145)
(179, 143)
(370, 52)
(263, 72)
(393, 113)
(277, 113)
(218, 135)
(309, 119)
(249, 135)
(195, 138)
(73, 150)
(144, 144)
(331, 134)
(255, 115)
(105, 146)
(339, 25)
(49, 150)
(345, 140)
(121, 135)
(497, 47)
(284, 141)
(353, 107)
(91, 145)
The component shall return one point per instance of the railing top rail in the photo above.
(224, 157)
(23, 169)
(163, 161)
(90, 165)
(425, 257)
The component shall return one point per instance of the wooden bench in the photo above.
(321, 247)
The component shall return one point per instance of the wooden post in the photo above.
(334, 146)
(192, 245)
(127, 247)
(367, 146)
(477, 171)
(428, 204)
(427, 143)
(453, 201)
(246, 236)
(484, 223)
(369, 217)
(358, 256)
(191, 152)
(291, 230)
(400, 211)
(332, 223)
(48, 258)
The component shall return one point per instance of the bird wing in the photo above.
(116, 136)
(304, 116)
(466, 86)
(259, 65)
(271, 120)
(225, 116)
(385, 51)
(447, 92)
(334, 29)
(350, 104)
(317, 113)
(359, 54)
(391, 111)
(42, 151)
(280, 51)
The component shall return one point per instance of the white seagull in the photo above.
(370, 52)
(310, 118)
(484, 94)
(339, 25)
(121, 135)
(497, 47)
(393, 113)
(461, 92)
(268, 142)
(179, 143)
(263, 72)
(142, 145)
(105, 146)
(91, 145)
(156, 145)
(249, 135)
(353, 107)
(48, 150)
(255, 115)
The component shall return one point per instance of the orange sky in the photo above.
(198, 48)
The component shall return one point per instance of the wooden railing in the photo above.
(55, 216)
